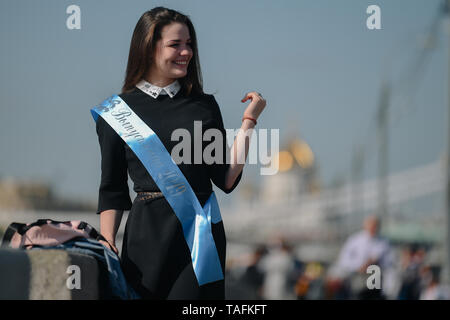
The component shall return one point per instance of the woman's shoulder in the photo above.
(130, 93)
(207, 100)
(207, 103)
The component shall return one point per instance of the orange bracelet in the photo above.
(249, 118)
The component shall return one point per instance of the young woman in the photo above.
(163, 88)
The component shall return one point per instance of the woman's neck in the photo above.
(158, 81)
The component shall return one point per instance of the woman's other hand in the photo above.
(110, 245)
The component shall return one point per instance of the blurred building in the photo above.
(297, 174)
(293, 204)
(31, 195)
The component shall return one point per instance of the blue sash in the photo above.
(195, 220)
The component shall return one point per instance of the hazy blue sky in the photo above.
(315, 62)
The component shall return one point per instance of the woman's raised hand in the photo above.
(255, 107)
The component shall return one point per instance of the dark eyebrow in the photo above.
(178, 40)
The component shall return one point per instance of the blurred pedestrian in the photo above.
(361, 250)
(253, 277)
(309, 285)
(278, 265)
(411, 279)
(433, 289)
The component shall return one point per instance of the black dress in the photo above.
(155, 257)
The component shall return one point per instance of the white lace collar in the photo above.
(154, 91)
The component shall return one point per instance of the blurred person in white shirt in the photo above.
(361, 250)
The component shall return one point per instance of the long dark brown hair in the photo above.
(142, 48)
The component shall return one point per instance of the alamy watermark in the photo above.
(373, 22)
(374, 280)
(74, 280)
(74, 20)
(219, 149)
(213, 146)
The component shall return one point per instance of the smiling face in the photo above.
(172, 55)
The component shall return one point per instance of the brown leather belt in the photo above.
(145, 195)
(148, 195)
